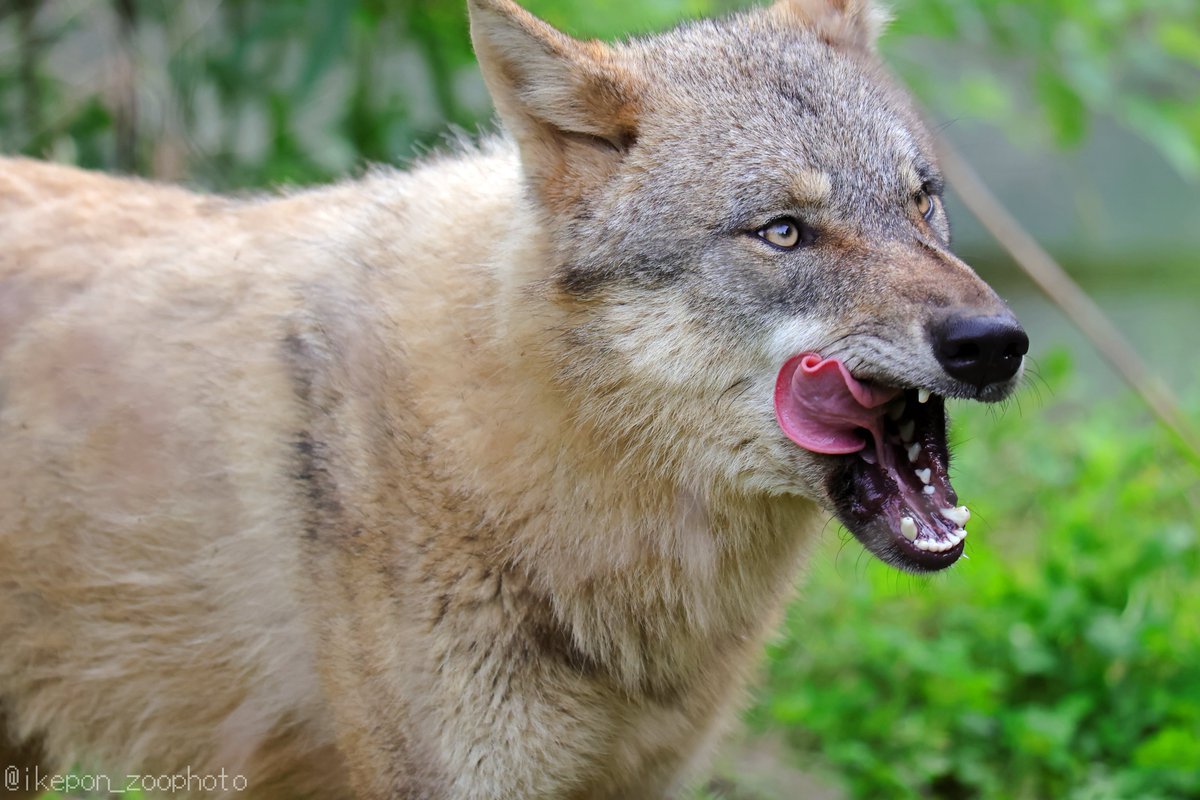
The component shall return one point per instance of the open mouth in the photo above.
(891, 485)
(895, 493)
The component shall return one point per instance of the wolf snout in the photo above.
(980, 350)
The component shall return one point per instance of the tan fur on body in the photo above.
(432, 485)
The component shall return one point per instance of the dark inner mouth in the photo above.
(896, 495)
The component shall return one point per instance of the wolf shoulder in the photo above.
(124, 300)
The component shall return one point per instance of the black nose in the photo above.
(980, 350)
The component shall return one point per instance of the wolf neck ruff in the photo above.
(900, 474)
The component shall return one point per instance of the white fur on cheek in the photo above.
(792, 336)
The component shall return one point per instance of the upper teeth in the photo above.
(914, 450)
(959, 516)
(924, 474)
(922, 395)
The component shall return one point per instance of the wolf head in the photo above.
(750, 250)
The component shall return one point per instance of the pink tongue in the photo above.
(820, 406)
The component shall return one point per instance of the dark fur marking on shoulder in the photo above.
(323, 506)
(296, 353)
(316, 484)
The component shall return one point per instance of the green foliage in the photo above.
(1061, 660)
(1137, 61)
(250, 93)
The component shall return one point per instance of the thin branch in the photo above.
(27, 73)
(125, 109)
(1068, 296)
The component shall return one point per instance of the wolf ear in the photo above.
(572, 106)
(850, 23)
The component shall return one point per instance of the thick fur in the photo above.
(462, 482)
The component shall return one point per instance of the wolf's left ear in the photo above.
(850, 23)
(572, 106)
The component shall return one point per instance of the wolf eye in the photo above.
(785, 233)
(925, 204)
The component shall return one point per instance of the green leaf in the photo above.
(1062, 105)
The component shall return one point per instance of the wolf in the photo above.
(488, 478)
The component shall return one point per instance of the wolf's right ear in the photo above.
(856, 24)
(572, 106)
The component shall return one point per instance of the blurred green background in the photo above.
(1062, 660)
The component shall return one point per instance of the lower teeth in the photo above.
(938, 545)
